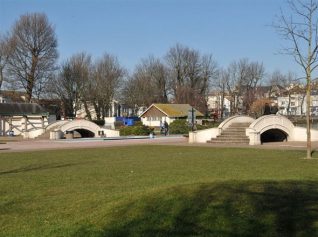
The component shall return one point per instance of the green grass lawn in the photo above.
(159, 191)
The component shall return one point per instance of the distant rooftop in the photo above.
(173, 110)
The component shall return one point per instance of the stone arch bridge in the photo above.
(267, 128)
(85, 128)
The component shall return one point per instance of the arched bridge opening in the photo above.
(82, 133)
(80, 129)
(270, 128)
(273, 135)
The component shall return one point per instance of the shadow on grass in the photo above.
(36, 167)
(222, 209)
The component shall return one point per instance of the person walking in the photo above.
(166, 126)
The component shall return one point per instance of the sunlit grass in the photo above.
(158, 191)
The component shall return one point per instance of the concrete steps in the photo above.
(234, 134)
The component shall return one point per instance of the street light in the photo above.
(191, 118)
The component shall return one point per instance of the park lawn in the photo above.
(158, 191)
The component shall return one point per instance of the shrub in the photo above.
(118, 124)
(138, 123)
(179, 126)
(207, 125)
(137, 130)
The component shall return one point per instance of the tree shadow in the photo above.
(227, 209)
(36, 167)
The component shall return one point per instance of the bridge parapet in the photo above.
(235, 119)
(56, 124)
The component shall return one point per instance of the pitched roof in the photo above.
(173, 110)
(20, 109)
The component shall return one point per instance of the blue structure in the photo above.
(128, 121)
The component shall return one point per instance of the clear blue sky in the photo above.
(135, 29)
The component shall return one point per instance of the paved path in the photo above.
(33, 145)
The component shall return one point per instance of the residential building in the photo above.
(215, 104)
(156, 114)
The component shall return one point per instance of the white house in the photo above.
(156, 114)
(215, 103)
(296, 104)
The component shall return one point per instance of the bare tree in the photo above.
(72, 84)
(242, 80)
(220, 83)
(106, 82)
(61, 87)
(191, 75)
(148, 84)
(34, 51)
(301, 31)
(208, 74)
(81, 71)
(254, 75)
(231, 81)
(4, 57)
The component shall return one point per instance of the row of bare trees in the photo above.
(28, 61)
(240, 81)
(82, 82)
(183, 76)
(28, 57)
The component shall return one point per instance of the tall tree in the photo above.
(254, 75)
(191, 75)
(106, 82)
(220, 85)
(81, 71)
(62, 87)
(300, 30)
(242, 80)
(231, 81)
(148, 84)
(72, 84)
(4, 57)
(208, 74)
(34, 51)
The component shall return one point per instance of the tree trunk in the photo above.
(88, 113)
(308, 122)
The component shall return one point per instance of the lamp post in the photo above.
(191, 118)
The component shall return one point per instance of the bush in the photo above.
(207, 125)
(138, 123)
(118, 124)
(179, 126)
(138, 130)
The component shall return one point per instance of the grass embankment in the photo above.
(158, 191)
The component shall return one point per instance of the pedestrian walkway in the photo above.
(34, 145)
